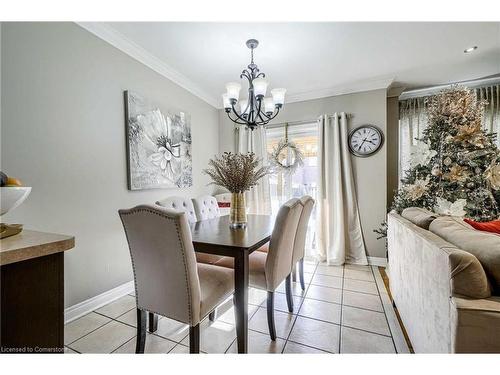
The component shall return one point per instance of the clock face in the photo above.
(365, 140)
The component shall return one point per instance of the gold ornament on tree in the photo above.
(492, 175)
(457, 173)
(418, 189)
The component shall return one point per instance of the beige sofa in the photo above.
(448, 298)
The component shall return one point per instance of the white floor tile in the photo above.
(179, 349)
(215, 337)
(355, 341)
(360, 286)
(118, 307)
(294, 348)
(321, 335)
(105, 339)
(283, 322)
(154, 344)
(328, 281)
(330, 270)
(281, 305)
(324, 293)
(259, 343)
(371, 321)
(82, 326)
(329, 312)
(362, 300)
(359, 275)
(172, 330)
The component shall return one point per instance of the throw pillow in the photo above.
(488, 226)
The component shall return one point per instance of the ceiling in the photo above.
(311, 60)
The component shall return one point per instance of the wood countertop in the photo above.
(31, 244)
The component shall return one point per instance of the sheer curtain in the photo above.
(413, 120)
(258, 199)
(340, 239)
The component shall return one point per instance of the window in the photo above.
(305, 180)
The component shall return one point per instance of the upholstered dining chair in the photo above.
(181, 204)
(300, 237)
(186, 205)
(168, 280)
(267, 270)
(206, 207)
(299, 243)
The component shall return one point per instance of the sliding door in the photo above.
(304, 181)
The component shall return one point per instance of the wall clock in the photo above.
(365, 140)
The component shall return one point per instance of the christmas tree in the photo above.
(455, 168)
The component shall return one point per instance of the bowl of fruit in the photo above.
(12, 193)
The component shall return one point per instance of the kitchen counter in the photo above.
(32, 292)
(32, 244)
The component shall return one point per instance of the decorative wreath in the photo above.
(296, 156)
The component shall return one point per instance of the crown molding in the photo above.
(354, 87)
(119, 41)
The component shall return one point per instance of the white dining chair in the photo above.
(168, 279)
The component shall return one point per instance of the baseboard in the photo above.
(91, 304)
(377, 261)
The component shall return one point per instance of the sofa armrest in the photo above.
(476, 325)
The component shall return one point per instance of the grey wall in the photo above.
(370, 173)
(63, 134)
(392, 148)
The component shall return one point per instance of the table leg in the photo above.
(241, 299)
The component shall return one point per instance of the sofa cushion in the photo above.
(483, 245)
(467, 275)
(419, 216)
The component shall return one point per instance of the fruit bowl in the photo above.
(12, 196)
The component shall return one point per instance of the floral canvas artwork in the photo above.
(158, 146)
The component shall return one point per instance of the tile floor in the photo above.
(341, 311)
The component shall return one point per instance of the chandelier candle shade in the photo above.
(257, 109)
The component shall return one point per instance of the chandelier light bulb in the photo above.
(233, 90)
(278, 96)
(259, 87)
(225, 101)
(268, 105)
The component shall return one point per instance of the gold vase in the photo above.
(238, 211)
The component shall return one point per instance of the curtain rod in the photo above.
(303, 122)
(426, 91)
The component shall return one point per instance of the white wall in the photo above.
(63, 133)
(370, 173)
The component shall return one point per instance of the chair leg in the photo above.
(289, 296)
(270, 315)
(194, 339)
(212, 316)
(153, 322)
(141, 332)
(294, 273)
(301, 274)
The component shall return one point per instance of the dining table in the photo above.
(215, 236)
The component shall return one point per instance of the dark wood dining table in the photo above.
(214, 236)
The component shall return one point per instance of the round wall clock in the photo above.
(365, 140)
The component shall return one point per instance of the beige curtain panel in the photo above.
(258, 199)
(340, 239)
(413, 121)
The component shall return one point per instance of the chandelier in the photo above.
(256, 109)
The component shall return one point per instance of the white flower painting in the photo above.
(159, 146)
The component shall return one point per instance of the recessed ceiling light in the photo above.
(470, 49)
